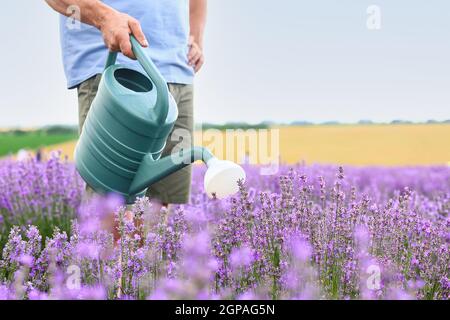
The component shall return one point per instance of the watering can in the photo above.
(125, 132)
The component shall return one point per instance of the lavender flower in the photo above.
(310, 232)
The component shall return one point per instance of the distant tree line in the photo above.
(73, 130)
(48, 130)
(365, 122)
(232, 125)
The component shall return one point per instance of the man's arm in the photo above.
(197, 18)
(115, 26)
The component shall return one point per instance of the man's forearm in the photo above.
(115, 26)
(92, 12)
(197, 18)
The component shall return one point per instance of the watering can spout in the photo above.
(151, 171)
(221, 178)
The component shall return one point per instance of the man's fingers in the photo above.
(125, 47)
(199, 63)
(111, 47)
(108, 39)
(192, 51)
(195, 55)
(193, 60)
(136, 30)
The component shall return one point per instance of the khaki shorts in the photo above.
(176, 187)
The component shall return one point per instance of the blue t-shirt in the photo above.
(165, 24)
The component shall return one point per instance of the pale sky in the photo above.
(280, 61)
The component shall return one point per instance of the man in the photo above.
(173, 31)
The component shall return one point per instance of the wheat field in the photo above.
(388, 145)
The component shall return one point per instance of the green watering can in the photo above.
(125, 132)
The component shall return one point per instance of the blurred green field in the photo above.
(11, 142)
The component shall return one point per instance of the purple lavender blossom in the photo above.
(309, 232)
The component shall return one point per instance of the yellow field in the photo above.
(341, 144)
(367, 144)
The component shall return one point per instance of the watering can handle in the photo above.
(162, 91)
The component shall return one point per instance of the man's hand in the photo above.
(116, 29)
(195, 55)
(115, 26)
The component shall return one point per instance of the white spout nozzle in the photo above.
(221, 178)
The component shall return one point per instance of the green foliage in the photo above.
(233, 125)
(11, 142)
(59, 129)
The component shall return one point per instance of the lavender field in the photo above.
(308, 232)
